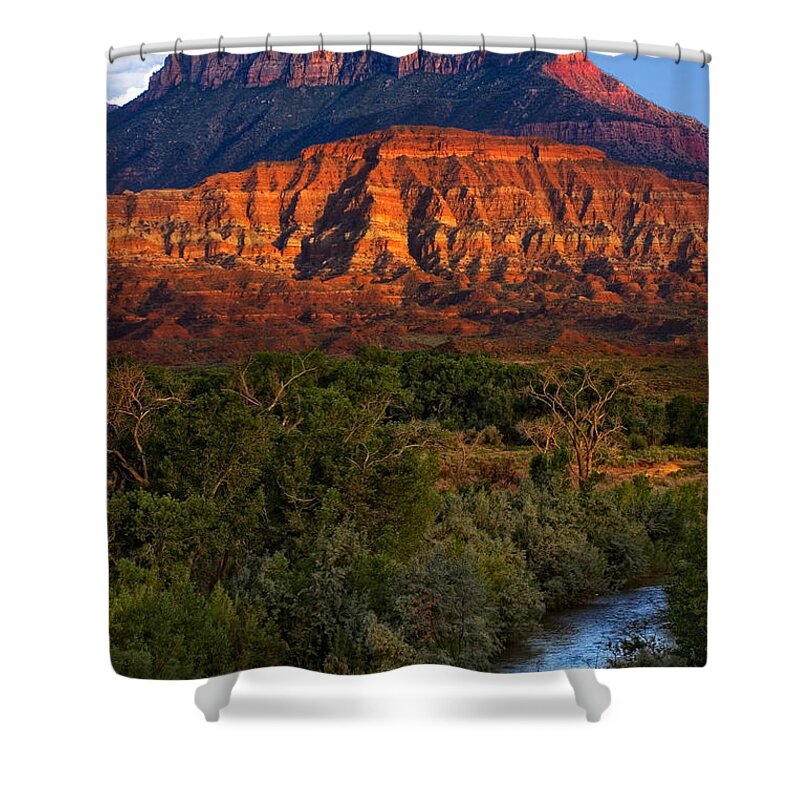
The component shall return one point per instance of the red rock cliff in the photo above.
(409, 212)
(205, 115)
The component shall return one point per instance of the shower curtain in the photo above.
(407, 362)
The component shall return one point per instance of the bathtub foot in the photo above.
(590, 694)
(214, 695)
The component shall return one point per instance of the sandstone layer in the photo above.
(409, 237)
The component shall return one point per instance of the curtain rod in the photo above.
(422, 41)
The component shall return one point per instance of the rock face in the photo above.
(406, 234)
(203, 115)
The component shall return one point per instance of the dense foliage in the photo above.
(291, 511)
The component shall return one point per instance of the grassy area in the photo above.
(465, 462)
(658, 377)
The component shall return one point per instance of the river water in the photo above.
(578, 637)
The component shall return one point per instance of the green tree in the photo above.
(688, 422)
(164, 628)
(442, 607)
(687, 598)
(568, 568)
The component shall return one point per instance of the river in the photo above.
(578, 637)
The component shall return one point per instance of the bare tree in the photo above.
(277, 389)
(581, 403)
(464, 444)
(541, 433)
(132, 401)
(372, 453)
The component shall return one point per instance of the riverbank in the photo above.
(580, 637)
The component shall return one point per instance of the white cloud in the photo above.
(130, 93)
(128, 77)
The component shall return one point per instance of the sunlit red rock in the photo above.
(217, 113)
(394, 234)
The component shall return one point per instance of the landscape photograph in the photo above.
(407, 364)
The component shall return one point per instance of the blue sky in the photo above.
(679, 87)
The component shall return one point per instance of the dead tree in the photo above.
(581, 404)
(132, 401)
(278, 388)
(541, 433)
(372, 452)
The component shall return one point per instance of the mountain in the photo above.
(407, 237)
(203, 115)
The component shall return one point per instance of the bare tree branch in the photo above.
(131, 402)
(580, 401)
(279, 388)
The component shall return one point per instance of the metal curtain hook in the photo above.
(705, 59)
(110, 57)
(369, 42)
(585, 49)
(420, 41)
(140, 51)
(483, 43)
(637, 49)
(267, 48)
(220, 49)
(678, 59)
(321, 43)
(533, 49)
(175, 49)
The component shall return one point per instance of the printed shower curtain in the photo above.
(407, 362)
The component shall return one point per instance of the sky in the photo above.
(128, 77)
(679, 87)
